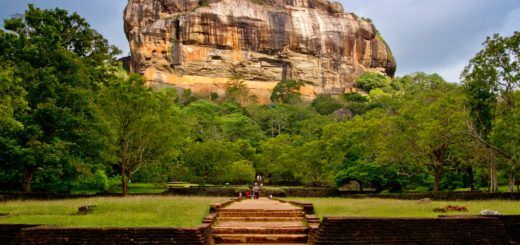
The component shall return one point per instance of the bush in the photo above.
(98, 181)
(287, 91)
(355, 97)
(370, 80)
(325, 104)
(240, 172)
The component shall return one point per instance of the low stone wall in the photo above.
(332, 192)
(9, 233)
(31, 234)
(275, 191)
(450, 230)
(231, 191)
(50, 235)
(512, 224)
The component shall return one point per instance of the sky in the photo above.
(434, 36)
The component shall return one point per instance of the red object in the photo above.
(247, 194)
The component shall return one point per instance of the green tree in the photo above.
(209, 161)
(490, 79)
(240, 172)
(371, 80)
(56, 62)
(326, 104)
(238, 126)
(277, 160)
(142, 124)
(427, 128)
(287, 91)
(236, 89)
(12, 99)
(506, 134)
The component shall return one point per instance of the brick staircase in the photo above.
(261, 221)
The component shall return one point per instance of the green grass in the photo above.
(135, 211)
(375, 207)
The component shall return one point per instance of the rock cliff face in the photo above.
(199, 44)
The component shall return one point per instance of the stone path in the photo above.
(260, 221)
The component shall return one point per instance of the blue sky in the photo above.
(435, 36)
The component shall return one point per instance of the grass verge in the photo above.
(375, 207)
(134, 211)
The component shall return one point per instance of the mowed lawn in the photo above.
(134, 211)
(375, 207)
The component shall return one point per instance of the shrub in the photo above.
(355, 97)
(287, 91)
(370, 80)
(240, 172)
(325, 104)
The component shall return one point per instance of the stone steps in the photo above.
(264, 219)
(244, 213)
(260, 238)
(260, 230)
(260, 222)
(269, 243)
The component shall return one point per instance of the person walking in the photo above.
(256, 191)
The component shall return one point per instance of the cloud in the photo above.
(437, 36)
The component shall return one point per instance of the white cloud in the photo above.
(437, 36)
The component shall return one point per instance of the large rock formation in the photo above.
(200, 44)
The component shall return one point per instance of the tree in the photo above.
(490, 79)
(142, 125)
(277, 160)
(209, 161)
(371, 80)
(55, 61)
(427, 128)
(238, 126)
(240, 172)
(318, 164)
(506, 134)
(326, 104)
(236, 89)
(287, 91)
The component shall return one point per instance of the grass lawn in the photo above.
(135, 211)
(374, 207)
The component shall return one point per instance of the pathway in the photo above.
(260, 221)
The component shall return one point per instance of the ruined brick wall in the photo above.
(9, 233)
(512, 225)
(24, 234)
(453, 230)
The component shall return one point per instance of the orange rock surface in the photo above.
(196, 44)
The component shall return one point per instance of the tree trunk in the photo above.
(471, 181)
(27, 179)
(437, 175)
(512, 180)
(124, 184)
(493, 183)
